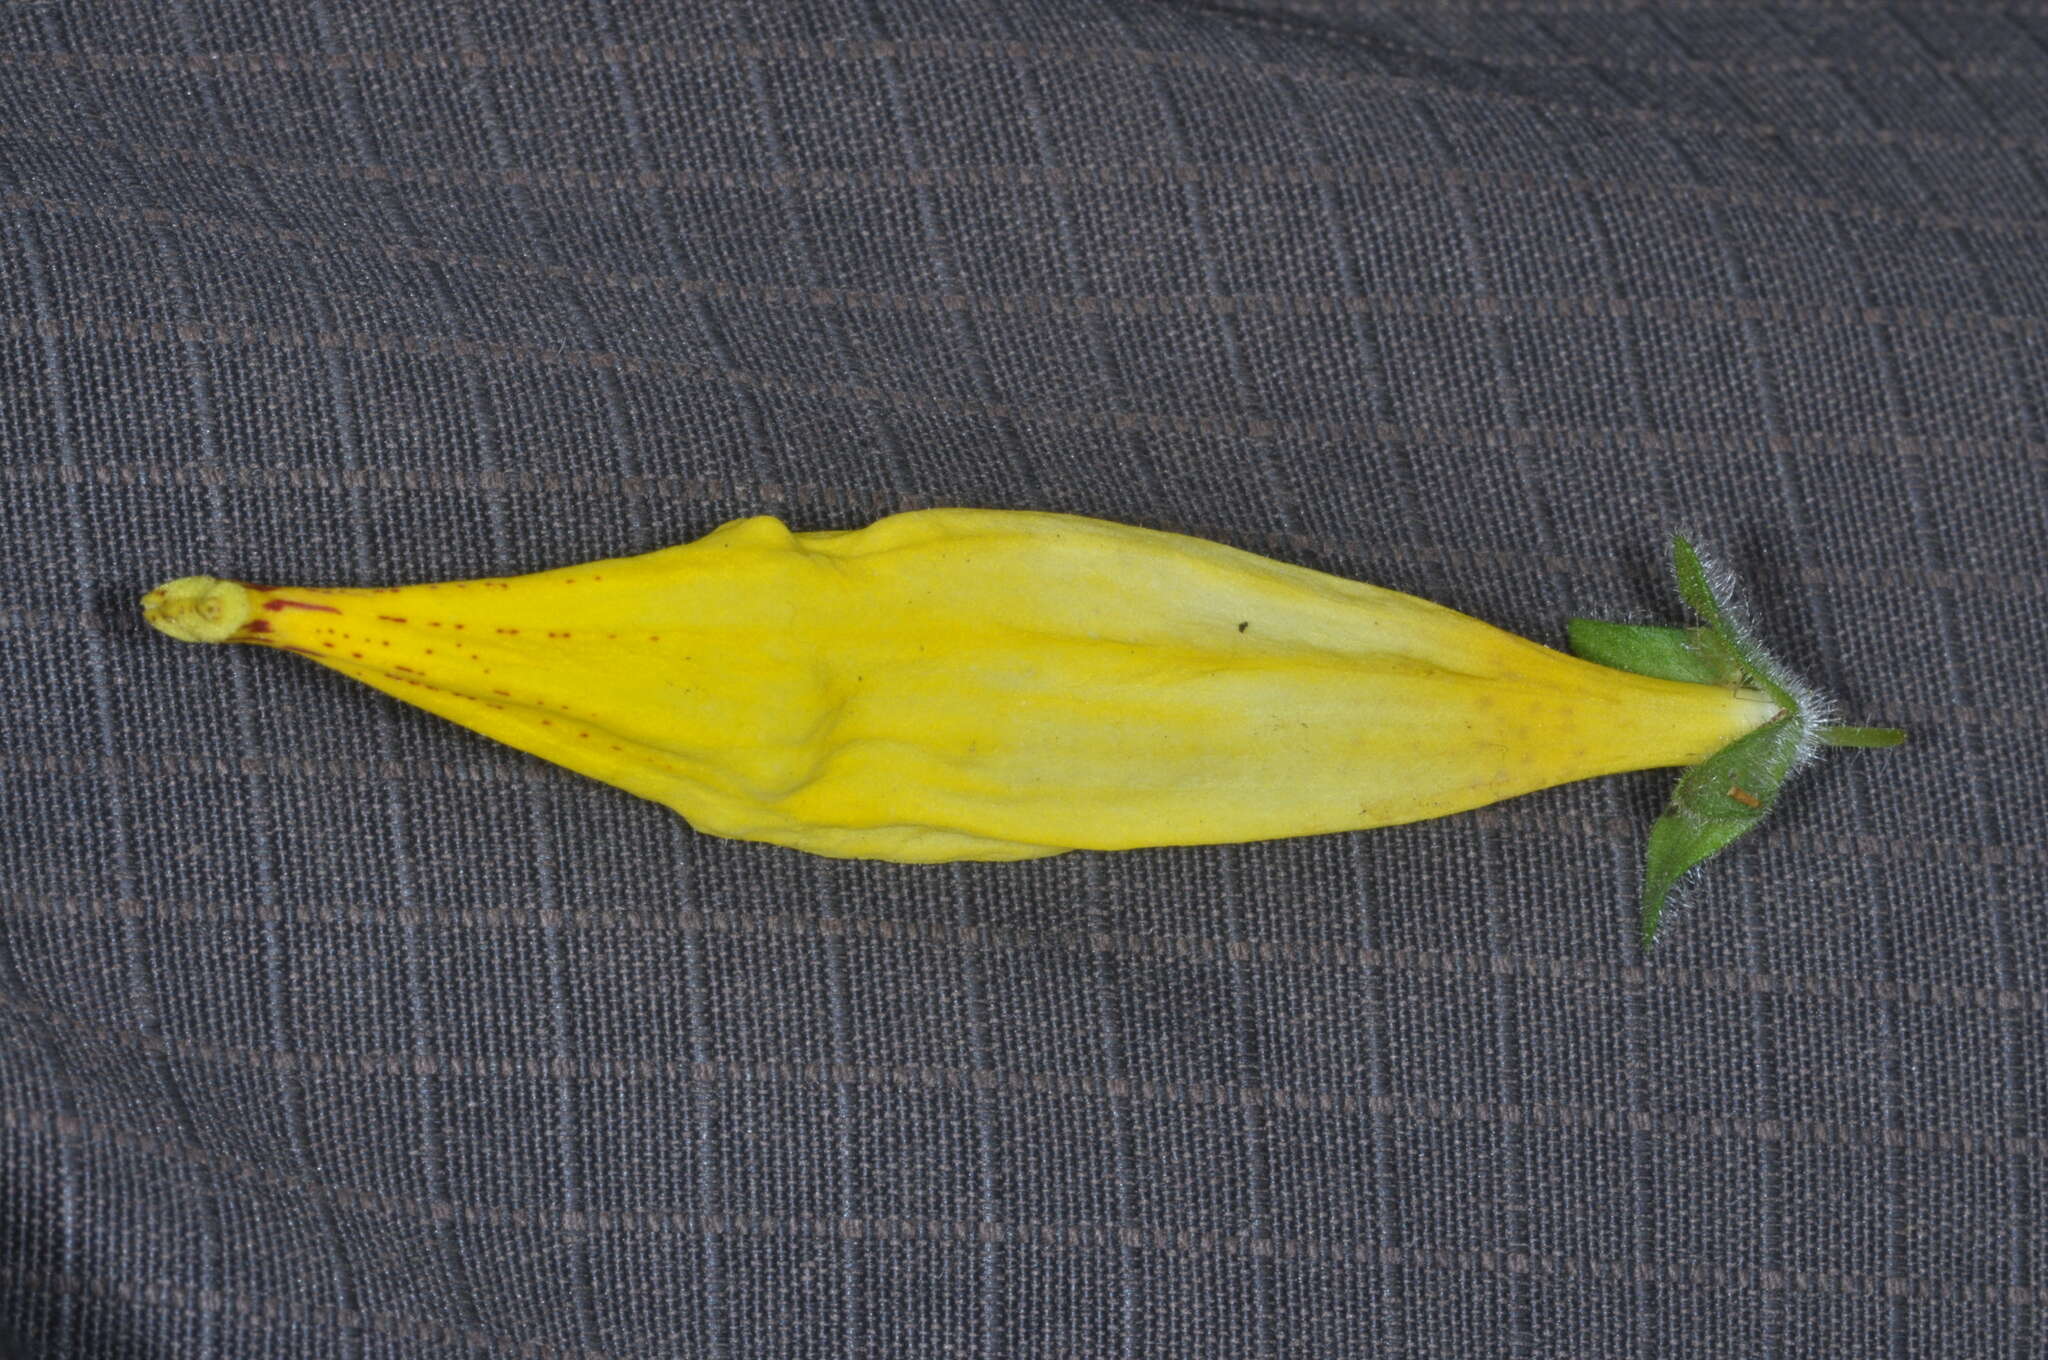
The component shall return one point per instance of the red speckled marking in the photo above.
(256, 626)
(508, 631)
(506, 692)
(357, 655)
(275, 605)
(392, 618)
(408, 670)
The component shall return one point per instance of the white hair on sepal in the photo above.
(1676, 898)
(1815, 709)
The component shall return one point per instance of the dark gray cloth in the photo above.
(329, 1029)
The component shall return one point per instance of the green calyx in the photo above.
(1732, 791)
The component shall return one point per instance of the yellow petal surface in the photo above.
(974, 684)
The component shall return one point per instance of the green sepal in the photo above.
(1734, 789)
(1721, 634)
(1730, 792)
(1648, 649)
(1716, 801)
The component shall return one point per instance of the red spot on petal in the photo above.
(392, 618)
(256, 626)
(275, 605)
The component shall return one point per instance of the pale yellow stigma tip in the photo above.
(198, 608)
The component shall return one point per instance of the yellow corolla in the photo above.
(997, 685)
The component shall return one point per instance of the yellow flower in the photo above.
(993, 685)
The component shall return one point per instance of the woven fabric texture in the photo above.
(331, 1030)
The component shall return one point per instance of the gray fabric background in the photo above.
(327, 1029)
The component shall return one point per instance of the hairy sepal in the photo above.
(1733, 791)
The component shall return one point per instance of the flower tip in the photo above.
(198, 608)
